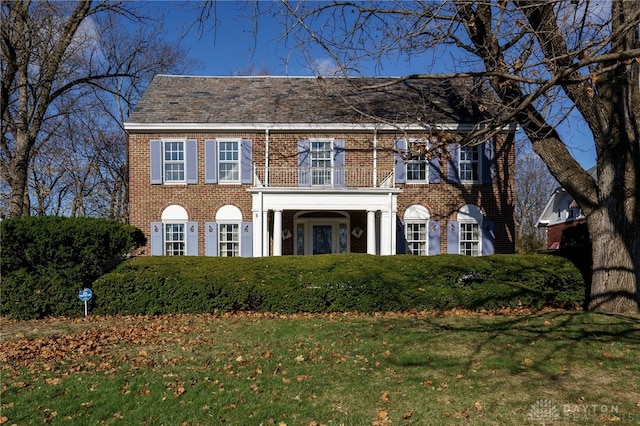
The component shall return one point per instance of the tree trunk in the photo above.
(615, 283)
(20, 168)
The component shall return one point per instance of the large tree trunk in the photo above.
(615, 285)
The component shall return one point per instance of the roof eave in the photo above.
(157, 127)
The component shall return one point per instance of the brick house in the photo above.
(560, 213)
(269, 166)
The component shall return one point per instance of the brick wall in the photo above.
(202, 201)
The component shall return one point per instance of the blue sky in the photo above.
(232, 47)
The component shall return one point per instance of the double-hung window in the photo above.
(470, 234)
(229, 240)
(174, 161)
(417, 165)
(469, 164)
(321, 170)
(229, 161)
(417, 238)
(174, 239)
(469, 238)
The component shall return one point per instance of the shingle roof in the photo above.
(268, 99)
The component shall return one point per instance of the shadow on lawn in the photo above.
(549, 338)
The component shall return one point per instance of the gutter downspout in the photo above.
(266, 157)
(264, 237)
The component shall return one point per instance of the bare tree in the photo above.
(543, 59)
(534, 186)
(59, 59)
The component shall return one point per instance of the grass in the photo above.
(559, 367)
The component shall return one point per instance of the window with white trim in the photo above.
(321, 165)
(469, 239)
(417, 165)
(417, 239)
(470, 234)
(174, 239)
(174, 227)
(173, 161)
(229, 239)
(229, 220)
(229, 161)
(469, 164)
(416, 219)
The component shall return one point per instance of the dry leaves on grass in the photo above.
(382, 419)
(79, 349)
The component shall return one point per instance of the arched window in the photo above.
(416, 220)
(174, 222)
(470, 237)
(229, 220)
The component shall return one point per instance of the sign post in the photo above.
(85, 295)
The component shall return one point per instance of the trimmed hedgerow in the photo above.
(46, 260)
(337, 283)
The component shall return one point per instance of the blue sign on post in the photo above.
(85, 295)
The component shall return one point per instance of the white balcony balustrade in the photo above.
(322, 177)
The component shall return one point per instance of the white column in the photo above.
(257, 233)
(393, 232)
(385, 233)
(256, 217)
(392, 223)
(277, 232)
(371, 232)
(265, 233)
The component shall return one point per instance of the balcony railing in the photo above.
(322, 177)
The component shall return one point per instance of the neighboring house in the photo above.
(560, 213)
(269, 166)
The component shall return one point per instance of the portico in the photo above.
(320, 224)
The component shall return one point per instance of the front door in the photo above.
(321, 233)
(322, 239)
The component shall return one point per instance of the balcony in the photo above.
(322, 177)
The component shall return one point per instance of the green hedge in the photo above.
(47, 260)
(337, 283)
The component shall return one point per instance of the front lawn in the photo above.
(456, 367)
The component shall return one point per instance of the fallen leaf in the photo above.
(142, 353)
(52, 381)
(408, 414)
(478, 406)
(385, 396)
(3, 419)
(179, 391)
(611, 419)
(382, 420)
